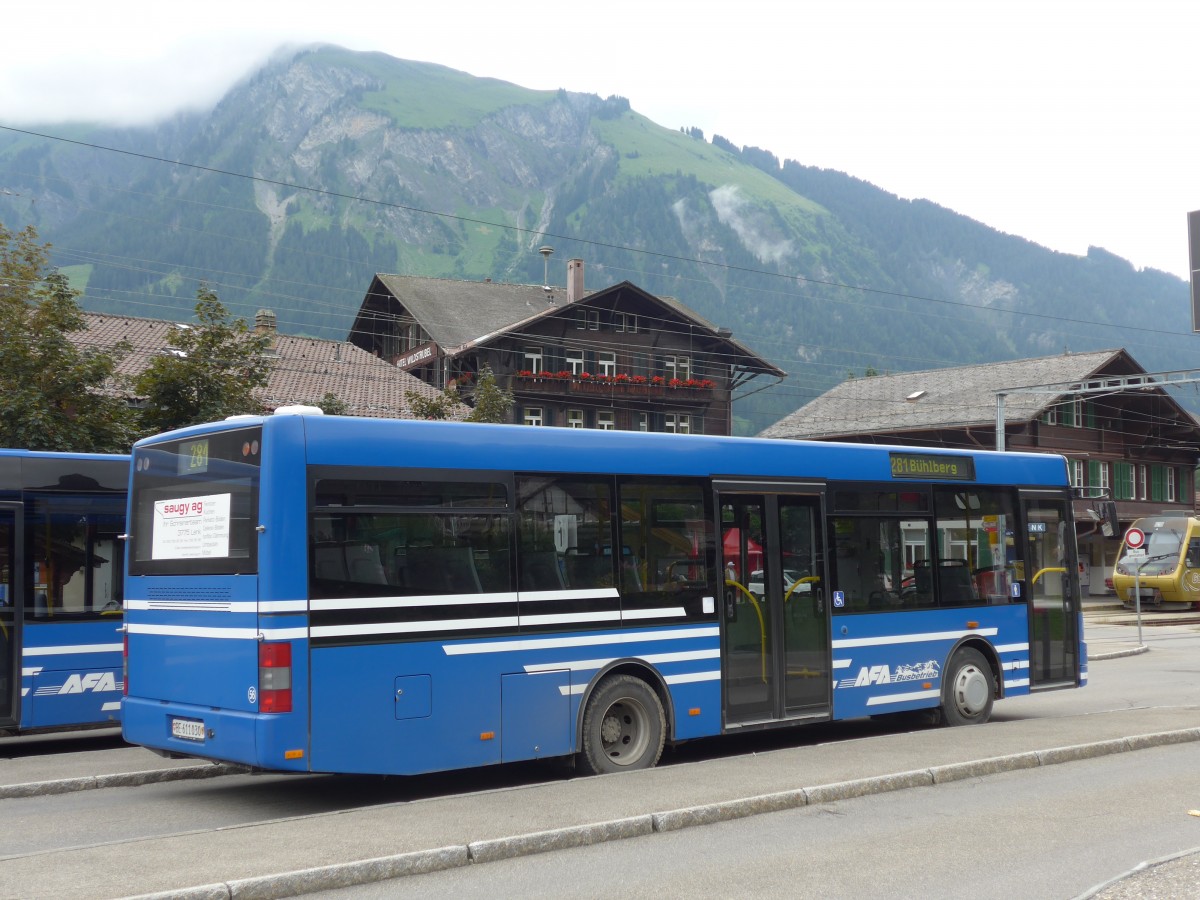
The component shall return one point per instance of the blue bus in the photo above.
(62, 572)
(330, 594)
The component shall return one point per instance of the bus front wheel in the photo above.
(623, 727)
(969, 689)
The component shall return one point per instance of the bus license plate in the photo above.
(187, 729)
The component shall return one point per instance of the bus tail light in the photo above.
(275, 677)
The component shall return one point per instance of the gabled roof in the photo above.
(461, 315)
(304, 370)
(946, 398)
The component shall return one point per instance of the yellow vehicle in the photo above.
(1165, 568)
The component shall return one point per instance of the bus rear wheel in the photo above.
(623, 727)
(969, 689)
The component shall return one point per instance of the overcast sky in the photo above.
(1067, 123)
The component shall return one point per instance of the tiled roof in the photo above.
(305, 369)
(942, 398)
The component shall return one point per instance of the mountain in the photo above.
(327, 166)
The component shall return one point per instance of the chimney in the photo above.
(264, 321)
(574, 280)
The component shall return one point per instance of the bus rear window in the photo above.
(194, 506)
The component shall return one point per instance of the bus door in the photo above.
(11, 554)
(1052, 590)
(775, 616)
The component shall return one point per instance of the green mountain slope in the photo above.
(327, 166)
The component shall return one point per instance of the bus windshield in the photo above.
(194, 506)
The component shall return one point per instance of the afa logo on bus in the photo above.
(96, 682)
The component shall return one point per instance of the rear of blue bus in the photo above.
(216, 655)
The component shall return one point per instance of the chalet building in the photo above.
(617, 358)
(1136, 446)
(303, 372)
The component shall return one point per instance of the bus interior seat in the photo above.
(363, 564)
(540, 571)
(955, 582)
(329, 562)
(443, 570)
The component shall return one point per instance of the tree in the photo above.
(58, 394)
(332, 405)
(209, 373)
(492, 403)
(438, 407)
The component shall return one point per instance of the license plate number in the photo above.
(187, 729)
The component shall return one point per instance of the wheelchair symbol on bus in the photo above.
(839, 599)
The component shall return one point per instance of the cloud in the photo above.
(752, 226)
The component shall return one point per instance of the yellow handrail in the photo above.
(1042, 572)
(762, 625)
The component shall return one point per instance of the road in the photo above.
(1044, 834)
(244, 831)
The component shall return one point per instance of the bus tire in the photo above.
(969, 689)
(623, 727)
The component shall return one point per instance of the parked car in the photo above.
(790, 576)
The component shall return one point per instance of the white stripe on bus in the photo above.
(1012, 648)
(238, 634)
(238, 606)
(78, 648)
(662, 613)
(902, 698)
(570, 594)
(412, 602)
(656, 658)
(914, 638)
(687, 678)
(690, 677)
(325, 631)
(1016, 682)
(591, 640)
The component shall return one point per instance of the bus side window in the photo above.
(1193, 554)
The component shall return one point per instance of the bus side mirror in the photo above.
(1109, 525)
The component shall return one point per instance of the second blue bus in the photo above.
(61, 582)
(330, 594)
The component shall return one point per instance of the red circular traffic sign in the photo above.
(1135, 539)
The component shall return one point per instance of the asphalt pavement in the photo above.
(301, 855)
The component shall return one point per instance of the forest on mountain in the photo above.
(327, 166)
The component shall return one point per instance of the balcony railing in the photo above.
(566, 384)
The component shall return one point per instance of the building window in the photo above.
(1076, 472)
(533, 359)
(533, 415)
(677, 367)
(574, 418)
(575, 361)
(677, 423)
(1171, 492)
(607, 363)
(606, 420)
(587, 318)
(626, 322)
(1141, 483)
(642, 422)
(1048, 417)
(1098, 475)
(1073, 413)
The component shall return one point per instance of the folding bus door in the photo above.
(1051, 591)
(11, 554)
(775, 618)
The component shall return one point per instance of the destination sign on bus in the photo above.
(930, 465)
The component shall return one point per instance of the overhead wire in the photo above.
(818, 385)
